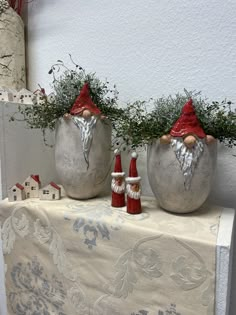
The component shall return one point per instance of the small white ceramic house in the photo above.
(6, 94)
(51, 98)
(16, 193)
(32, 185)
(3, 95)
(15, 97)
(25, 97)
(38, 97)
(50, 192)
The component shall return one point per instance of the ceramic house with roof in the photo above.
(32, 185)
(39, 96)
(50, 192)
(15, 96)
(16, 193)
(25, 97)
(6, 95)
(51, 98)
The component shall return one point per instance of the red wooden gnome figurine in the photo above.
(133, 188)
(118, 183)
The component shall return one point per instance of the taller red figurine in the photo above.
(133, 187)
(118, 183)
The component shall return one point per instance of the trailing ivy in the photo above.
(66, 86)
(138, 123)
(145, 121)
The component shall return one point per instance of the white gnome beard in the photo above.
(188, 158)
(116, 188)
(133, 194)
(86, 127)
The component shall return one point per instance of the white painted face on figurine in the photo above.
(118, 184)
(133, 190)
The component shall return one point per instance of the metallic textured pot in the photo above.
(167, 180)
(82, 178)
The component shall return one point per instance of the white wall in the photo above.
(22, 151)
(149, 48)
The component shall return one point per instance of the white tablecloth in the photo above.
(3, 310)
(73, 257)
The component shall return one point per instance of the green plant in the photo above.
(140, 125)
(66, 85)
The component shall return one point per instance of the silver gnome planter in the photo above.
(176, 189)
(181, 164)
(82, 155)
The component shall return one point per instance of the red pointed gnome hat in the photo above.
(133, 173)
(187, 123)
(117, 168)
(84, 101)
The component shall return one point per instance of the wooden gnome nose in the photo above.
(86, 114)
(190, 141)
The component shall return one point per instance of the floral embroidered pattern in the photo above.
(34, 292)
(12, 226)
(169, 311)
(90, 223)
(140, 259)
(77, 299)
(92, 227)
(208, 297)
(141, 312)
(45, 233)
(91, 231)
(189, 273)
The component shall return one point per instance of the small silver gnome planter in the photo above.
(83, 164)
(82, 150)
(181, 164)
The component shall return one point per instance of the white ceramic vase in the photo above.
(168, 182)
(83, 179)
(12, 50)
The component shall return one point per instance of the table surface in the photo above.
(90, 258)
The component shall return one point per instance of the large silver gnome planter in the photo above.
(180, 189)
(181, 164)
(82, 156)
(82, 150)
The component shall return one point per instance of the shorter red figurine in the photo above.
(133, 188)
(118, 183)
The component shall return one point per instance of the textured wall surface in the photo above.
(149, 49)
(22, 152)
(12, 50)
